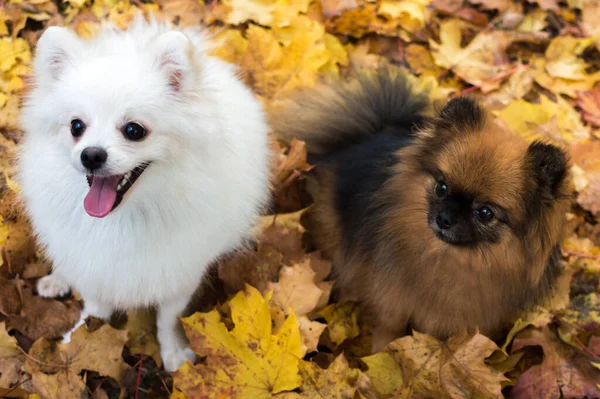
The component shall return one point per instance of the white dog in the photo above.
(143, 160)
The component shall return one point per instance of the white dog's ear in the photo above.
(174, 57)
(56, 48)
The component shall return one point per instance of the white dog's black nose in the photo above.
(93, 157)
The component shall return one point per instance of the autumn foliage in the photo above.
(267, 324)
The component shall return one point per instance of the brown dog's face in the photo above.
(476, 193)
(484, 182)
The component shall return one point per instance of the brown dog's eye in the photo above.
(485, 214)
(441, 189)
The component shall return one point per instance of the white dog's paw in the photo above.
(173, 358)
(52, 287)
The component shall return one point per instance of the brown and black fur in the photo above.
(414, 254)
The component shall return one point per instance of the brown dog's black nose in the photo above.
(93, 157)
(445, 220)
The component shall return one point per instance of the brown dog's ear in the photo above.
(461, 114)
(550, 164)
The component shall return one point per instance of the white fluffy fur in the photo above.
(198, 199)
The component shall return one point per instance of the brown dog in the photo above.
(445, 223)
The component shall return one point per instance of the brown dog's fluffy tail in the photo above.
(339, 113)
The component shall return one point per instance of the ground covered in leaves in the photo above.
(266, 325)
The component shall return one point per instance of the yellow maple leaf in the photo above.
(410, 14)
(342, 321)
(246, 362)
(385, 373)
(8, 344)
(562, 57)
(560, 85)
(265, 12)
(12, 52)
(3, 231)
(526, 118)
(282, 59)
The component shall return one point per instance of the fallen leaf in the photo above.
(337, 382)
(296, 290)
(589, 102)
(523, 117)
(265, 12)
(384, 372)
(582, 316)
(342, 321)
(311, 333)
(500, 5)
(8, 344)
(40, 317)
(10, 371)
(59, 386)
(188, 13)
(482, 60)
(562, 374)
(455, 369)
(534, 21)
(587, 157)
(562, 57)
(538, 318)
(246, 362)
(559, 85)
(546, 4)
(141, 333)
(420, 60)
(99, 351)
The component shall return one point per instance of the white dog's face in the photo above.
(108, 106)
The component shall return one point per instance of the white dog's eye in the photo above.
(77, 127)
(134, 131)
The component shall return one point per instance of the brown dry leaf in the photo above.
(385, 373)
(10, 371)
(311, 333)
(342, 321)
(296, 289)
(589, 102)
(500, 5)
(291, 163)
(562, 374)
(40, 317)
(59, 386)
(359, 21)
(587, 157)
(420, 60)
(99, 351)
(189, 13)
(455, 369)
(483, 59)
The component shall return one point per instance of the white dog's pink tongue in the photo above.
(102, 196)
